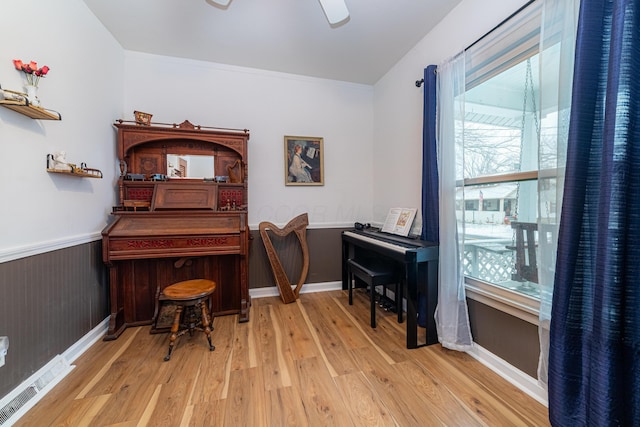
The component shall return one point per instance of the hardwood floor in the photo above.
(315, 362)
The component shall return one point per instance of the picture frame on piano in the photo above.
(303, 160)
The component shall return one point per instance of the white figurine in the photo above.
(60, 161)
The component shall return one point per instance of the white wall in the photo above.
(398, 102)
(41, 210)
(372, 135)
(93, 82)
(271, 105)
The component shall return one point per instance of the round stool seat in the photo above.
(189, 296)
(189, 290)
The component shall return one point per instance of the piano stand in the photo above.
(416, 262)
(374, 272)
(388, 304)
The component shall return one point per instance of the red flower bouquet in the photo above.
(31, 71)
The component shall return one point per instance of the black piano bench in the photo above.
(374, 272)
(189, 295)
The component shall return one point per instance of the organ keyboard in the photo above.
(418, 260)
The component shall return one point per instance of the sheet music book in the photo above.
(399, 221)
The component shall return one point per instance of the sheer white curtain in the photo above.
(557, 48)
(452, 318)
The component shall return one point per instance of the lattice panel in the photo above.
(495, 267)
(489, 266)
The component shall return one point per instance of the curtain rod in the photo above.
(419, 82)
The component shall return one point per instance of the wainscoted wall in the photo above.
(325, 254)
(506, 336)
(47, 303)
(51, 300)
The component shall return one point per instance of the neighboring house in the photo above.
(494, 204)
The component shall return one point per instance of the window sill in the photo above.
(516, 304)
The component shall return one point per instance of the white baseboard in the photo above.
(272, 291)
(53, 372)
(84, 343)
(15, 404)
(515, 376)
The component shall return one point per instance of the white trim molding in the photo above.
(61, 365)
(18, 402)
(272, 291)
(516, 304)
(37, 248)
(515, 376)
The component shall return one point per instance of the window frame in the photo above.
(517, 304)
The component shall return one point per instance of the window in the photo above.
(491, 205)
(500, 149)
(471, 205)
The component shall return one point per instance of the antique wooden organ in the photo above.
(181, 214)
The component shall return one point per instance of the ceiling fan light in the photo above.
(335, 10)
(222, 2)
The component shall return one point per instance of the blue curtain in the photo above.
(430, 208)
(594, 355)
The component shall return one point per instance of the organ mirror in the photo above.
(190, 166)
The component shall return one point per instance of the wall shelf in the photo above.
(30, 110)
(71, 169)
(80, 173)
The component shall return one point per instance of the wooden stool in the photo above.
(375, 272)
(191, 294)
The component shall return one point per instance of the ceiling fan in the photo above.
(335, 10)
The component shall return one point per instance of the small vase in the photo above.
(32, 94)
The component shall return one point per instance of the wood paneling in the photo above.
(325, 251)
(490, 327)
(47, 303)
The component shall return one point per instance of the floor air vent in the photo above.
(16, 403)
(29, 392)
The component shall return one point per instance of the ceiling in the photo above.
(291, 36)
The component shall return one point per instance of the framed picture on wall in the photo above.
(303, 160)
